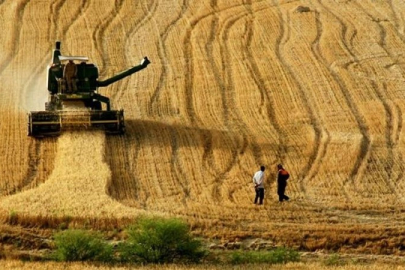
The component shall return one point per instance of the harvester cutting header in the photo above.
(73, 101)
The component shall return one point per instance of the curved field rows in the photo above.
(232, 85)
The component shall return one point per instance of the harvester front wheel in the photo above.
(96, 105)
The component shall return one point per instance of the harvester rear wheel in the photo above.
(29, 131)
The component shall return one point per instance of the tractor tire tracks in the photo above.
(308, 171)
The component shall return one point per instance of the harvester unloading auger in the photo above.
(66, 91)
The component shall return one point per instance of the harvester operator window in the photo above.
(69, 75)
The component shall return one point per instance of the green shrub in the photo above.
(278, 256)
(79, 245)
(158, 240)
(334, 260)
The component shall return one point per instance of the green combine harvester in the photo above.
(73, 101)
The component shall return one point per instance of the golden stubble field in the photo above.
(18, 265)
(232, 85)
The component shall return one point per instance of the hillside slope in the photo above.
(232, 85)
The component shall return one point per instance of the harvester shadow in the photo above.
(153, 133)
(140, 134)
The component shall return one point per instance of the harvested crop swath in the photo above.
(77, 185)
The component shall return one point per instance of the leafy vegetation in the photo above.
(280, 255)
(158, 240)
(80, 245)
(150, 240)
(334, 260)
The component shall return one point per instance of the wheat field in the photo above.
(16, 265)
(316, 85)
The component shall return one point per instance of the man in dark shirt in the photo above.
(282, 178)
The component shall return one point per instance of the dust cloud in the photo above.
(36, 94)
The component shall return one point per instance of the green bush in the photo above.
(334, 260)
(79, 245)
(159, 240)
(278, 256)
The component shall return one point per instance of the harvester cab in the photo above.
(73, 100)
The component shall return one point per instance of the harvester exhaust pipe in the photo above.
(56, 53)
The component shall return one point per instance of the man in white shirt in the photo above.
(258, 181)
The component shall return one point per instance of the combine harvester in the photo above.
(73, 101)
